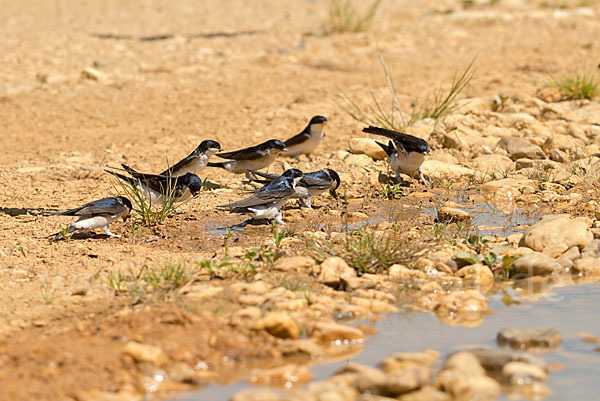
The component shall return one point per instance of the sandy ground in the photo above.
(234, 71)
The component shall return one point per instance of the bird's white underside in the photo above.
(196, 166)
(240, 166)
(406, 163)
(308, 146)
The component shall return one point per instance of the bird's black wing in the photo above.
(268, 176)
(251, 153)
(409, 142)
(181, 164)
(272, 192)
(109, 206)
(389, 149)
(317, 179)
(298, 139)
(156, 182)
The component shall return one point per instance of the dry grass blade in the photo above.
(436, 105)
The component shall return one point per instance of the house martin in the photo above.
(252, 158)
(307, 141)
(266, 202)
(157, 188)
(97, 214)
(406, 152)
(196, 161)
(311, 184)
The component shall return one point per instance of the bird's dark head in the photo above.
(317, 125)
(275, 144)
(318, 120)
(336, 179)
(193, 182)
(293, 174)
(210, 147)
(127, 203)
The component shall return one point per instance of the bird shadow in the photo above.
(77, 236)
(22, 211)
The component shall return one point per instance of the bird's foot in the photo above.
(107, 231)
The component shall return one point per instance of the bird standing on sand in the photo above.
(311, 184)
(158, 188)
(196, 161)
(252, 158)
(97, 214)
(266, 203)
(307, 141)
(406, 152)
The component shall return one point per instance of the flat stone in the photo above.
(587, 267)
(523, 374)
(335, 334)
(278, 324)
(145, 353)
(519, 148)
(286, 377)
(295, 263)
(477, 275)
(517, 183)
(334, 271)
(521, 339)
(453, 214)
(436, 168)
(367, 147)
(536, 264)
(555, 234)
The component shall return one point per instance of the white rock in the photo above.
(367, 147)
(435, 168)
(555, 234)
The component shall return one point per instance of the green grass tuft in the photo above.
(150, 213)
(388, 113)
(575, 85)
(369, 252)
(345, 16)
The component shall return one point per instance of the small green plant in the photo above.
(169, 277)
(389, 114)
(147, 283)
(388, 191)
(226, 238)
(367, 252)
(575, 85)
(134, 234)
(47, 293)
(64, 233)
(345, 15)
(150, 213)
(488, 258)
(116, 280)
(278, 236)
(22, 250)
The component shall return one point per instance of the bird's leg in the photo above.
(423, 177)
(309, 158)
(107, 231)
(279, 219)
(298, 157)
(307, 202)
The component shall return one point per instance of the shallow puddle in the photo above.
(568, 309)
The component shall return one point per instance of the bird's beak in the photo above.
(333, 193)
(125, 218)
